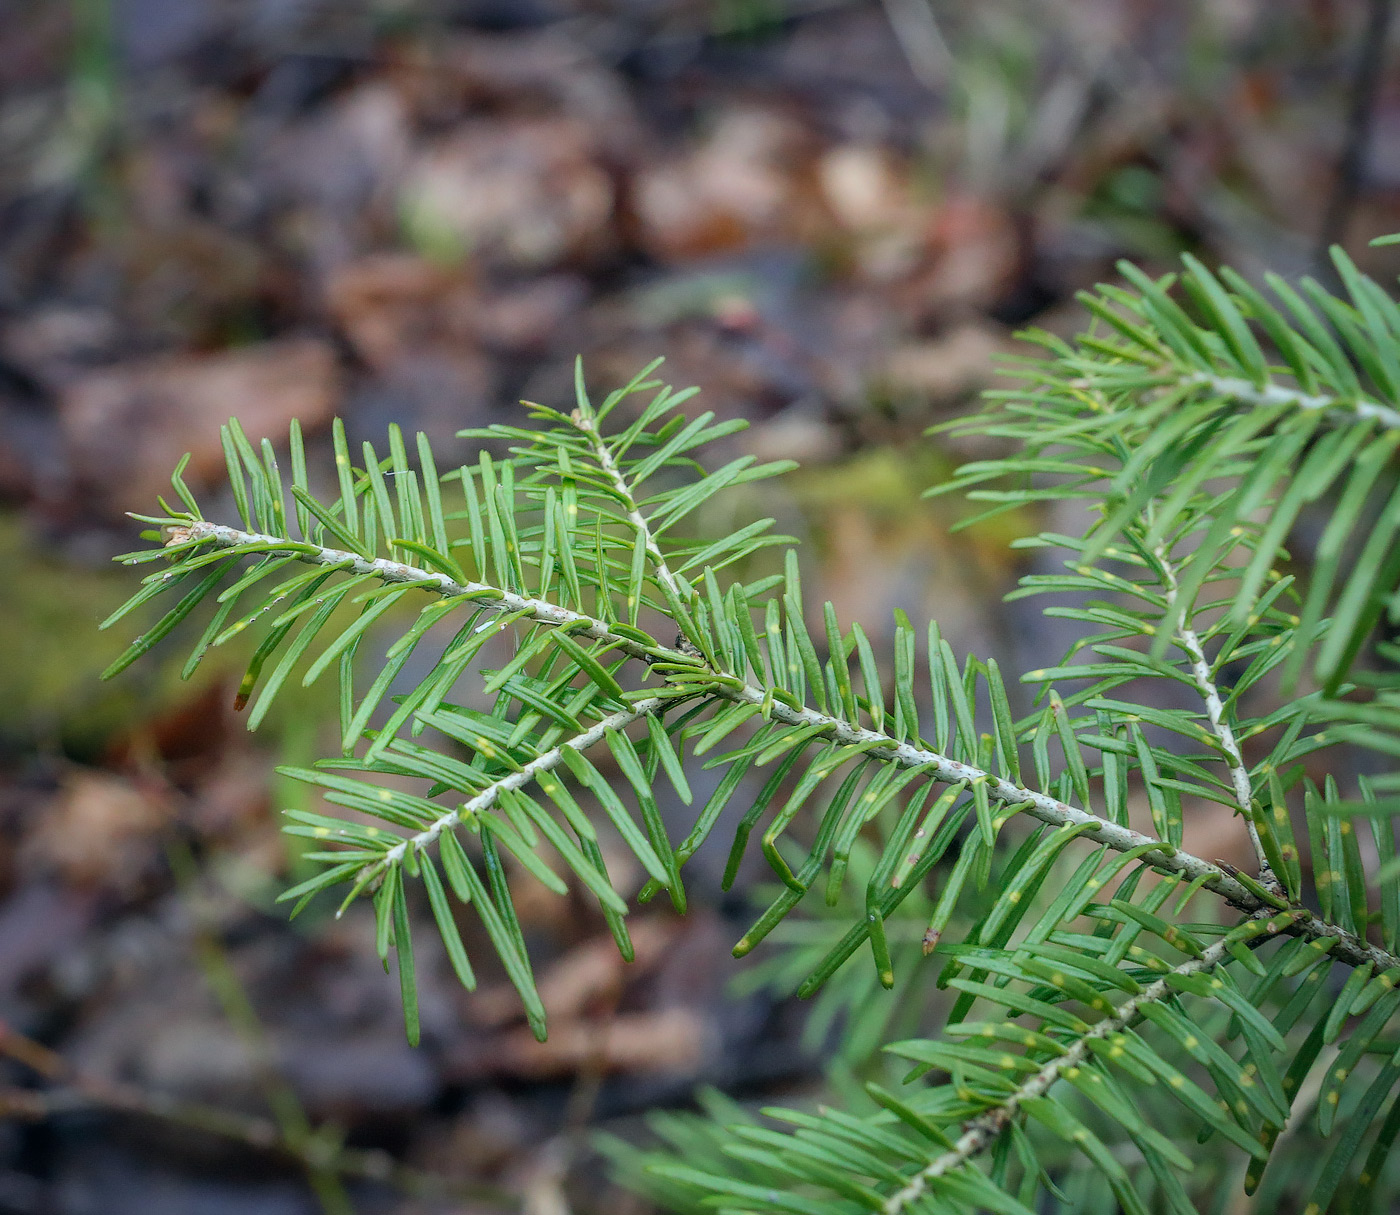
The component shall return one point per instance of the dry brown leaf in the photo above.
(748, 181)
(673, 1040)
(973, 255)
(869, 193)
(101, 830)
(588, 974)
(524, 193)
(595, 970)
(947, 368)
(392, 303)
(127, 426)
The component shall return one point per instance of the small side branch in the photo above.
(666, 579)
(979, 1133)
(1167, 858)
(669, 583)
(518, 780)
(1190, 642)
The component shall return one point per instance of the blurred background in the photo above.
(831, 215)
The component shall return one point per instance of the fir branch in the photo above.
(1165, 858)
(945, 769)
(980, 1132)
(489, 796)
(482, 594)
(1351, 947)
(1183, 433)
(1273, 393)
(1190, 643)
(670, 584)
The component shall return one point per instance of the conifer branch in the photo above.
(481, 594)
(1190, 642)
(1351, 948)
(1182, 432)
(1271, 394)
(670, 584)
(1165, 858)
(489, 796)
(980, 1132)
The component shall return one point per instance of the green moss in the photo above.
(50, 696)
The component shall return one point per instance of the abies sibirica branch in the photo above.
(579, 644)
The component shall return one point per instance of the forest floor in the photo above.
(830, 215)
